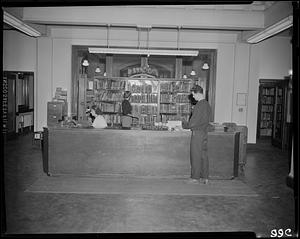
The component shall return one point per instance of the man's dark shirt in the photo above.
(201, 116)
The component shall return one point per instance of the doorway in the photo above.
(272, 112)
(20, 102)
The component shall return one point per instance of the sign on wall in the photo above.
(142, 70)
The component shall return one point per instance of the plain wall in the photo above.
(19, 52)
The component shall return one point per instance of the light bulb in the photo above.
(104, 74)
(290, 72)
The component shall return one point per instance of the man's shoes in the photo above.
(204, 180)
(193, 181)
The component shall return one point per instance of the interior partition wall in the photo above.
(201, 70)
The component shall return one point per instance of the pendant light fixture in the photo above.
(184, 75)
(193, 73)
(98, 69)
(205, 66)
(85, 61)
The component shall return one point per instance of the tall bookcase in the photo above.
(272, 111)
(152, 99)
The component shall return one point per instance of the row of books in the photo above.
(137, 88)
(268, 91)
(110, 84)
(279, 100)
(265, 132)
(267, 100)
(175, 86)
(173, 98)
(279, 108)
(109, 96)
(107, 107)
(140, 98)
(278, 116)
(144, 109)
(142, 87)
(178, 109)
(267, 108)
(144, 98)
(266, 116)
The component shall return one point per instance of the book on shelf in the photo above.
(174, 86)
(144, 98)
(109, 107)
(268, 91)
(110, 84)
(137, 88)
(268, 100)
(144, 109)
(109, 96)
(267, 108)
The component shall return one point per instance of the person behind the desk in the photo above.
(99, 121)
(199, 123)
(193, 102)
(126, 118)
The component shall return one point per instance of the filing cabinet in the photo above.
(56, 111)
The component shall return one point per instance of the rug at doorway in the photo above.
(153, 186)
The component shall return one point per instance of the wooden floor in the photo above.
(265, 173)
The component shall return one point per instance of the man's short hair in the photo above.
(197, 89)
(98, 111)
(127, 94)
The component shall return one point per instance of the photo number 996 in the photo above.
(281, 232)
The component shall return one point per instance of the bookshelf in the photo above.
(272, 111)
(152, 99)
(267, 110)
(174, 102)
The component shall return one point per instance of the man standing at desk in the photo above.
(199, 123)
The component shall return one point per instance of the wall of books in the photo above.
(267, 110)
(152, 99)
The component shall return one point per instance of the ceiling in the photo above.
(229, 16)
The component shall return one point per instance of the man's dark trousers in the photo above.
(198, 155)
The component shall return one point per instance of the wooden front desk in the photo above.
(95, 152)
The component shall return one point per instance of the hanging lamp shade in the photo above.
(184, 76)
(104, 74)
(193, 73)
(98, 69)
(85, 62)
(205, 66)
